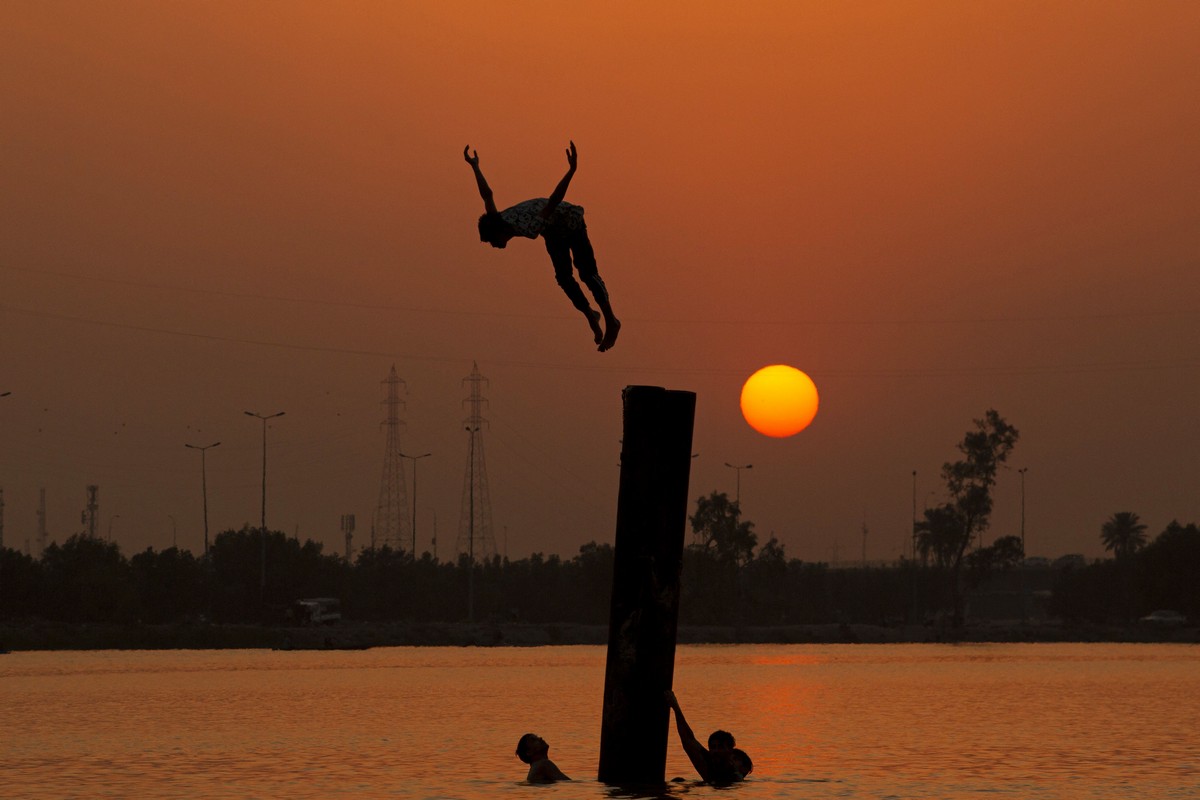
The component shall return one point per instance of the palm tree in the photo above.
(1123, 534)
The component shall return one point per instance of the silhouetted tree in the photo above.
(711, 592)
(1086, 594)
(86, 580)
(707, 589)
(950, 528)
(809, 593)
(725, 581)
(765, 582)
(20, 583)
(939, 535)
(534, 589)
(591, 582)
(719, 528)
(293, 571)
(380, 589)
(1123, 534)
(1168, 567)
(1004, 553)
(169, 585)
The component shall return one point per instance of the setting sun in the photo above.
(779, 400)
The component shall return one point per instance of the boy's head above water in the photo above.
(720, 741)
(531, 747)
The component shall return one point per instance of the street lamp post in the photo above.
(174, 533)
(203, 486)
(2, 394)
(738, 469)
(914, 545)
(471, 530)
(1024, 594)
(1022, 471)
(414, 460)
(914, 517)
(262, 586)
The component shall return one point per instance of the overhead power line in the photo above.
(904, 372)
(706, 321)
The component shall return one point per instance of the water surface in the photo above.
(821, 721)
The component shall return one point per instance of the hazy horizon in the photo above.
(933, 209)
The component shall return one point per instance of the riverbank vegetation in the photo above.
(728, 581)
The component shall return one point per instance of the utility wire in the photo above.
(917, 372)
(1109, 316)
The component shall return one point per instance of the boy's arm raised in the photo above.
(560, 191)
(485, 191)
(696, 752)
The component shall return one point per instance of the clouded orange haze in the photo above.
(933, 209)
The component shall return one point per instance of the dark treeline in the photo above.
(728, 579)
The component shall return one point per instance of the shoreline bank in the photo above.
(362, 635)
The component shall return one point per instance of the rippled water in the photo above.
(838, 721)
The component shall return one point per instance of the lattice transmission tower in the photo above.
(91, 514)
(475, 538)
(390, 526)
(43, 536)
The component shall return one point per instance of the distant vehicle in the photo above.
(1164, 618)
(317, 610)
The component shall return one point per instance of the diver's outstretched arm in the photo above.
(485, 191)
(560, 191)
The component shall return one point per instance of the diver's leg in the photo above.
(560, 255)
(585, 264)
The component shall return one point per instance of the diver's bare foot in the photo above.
(610, 336)
(593, 318)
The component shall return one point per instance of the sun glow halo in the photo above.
(779, 401)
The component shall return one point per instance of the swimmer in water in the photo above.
(721, 762)
(533, 750)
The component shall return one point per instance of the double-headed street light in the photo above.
(414, 460)
(262, 587)
(203, 487)
(738, 469)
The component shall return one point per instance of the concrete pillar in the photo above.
(652, 508)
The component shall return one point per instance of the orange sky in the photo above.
(931, 208)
